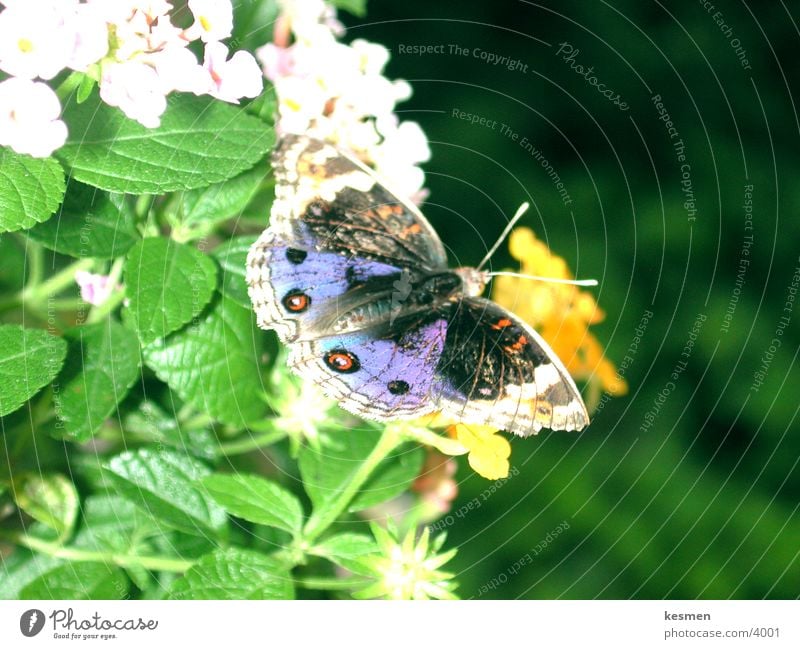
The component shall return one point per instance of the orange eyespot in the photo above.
(342, 361)
(296, 301)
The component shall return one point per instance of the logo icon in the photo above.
(31, 622)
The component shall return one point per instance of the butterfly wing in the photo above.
(496, 370)
(328, 196)
(380, 376)
(333, 227)
(297, 290)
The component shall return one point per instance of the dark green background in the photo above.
(704, 502)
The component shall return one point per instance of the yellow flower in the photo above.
(488, 451)
(560, 312)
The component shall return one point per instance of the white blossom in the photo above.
(29, 117)
(178, 69)
(213, 19)
(238, 77)
(339, 93)
(33, 40)
(135, 89)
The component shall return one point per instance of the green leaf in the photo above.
(91, 223)
(356, 7)
(390, 479)
(235, 574)
(201, 141)
(50, 499)
(223, 200)
(163, 484)
(29, 360)
(168, 284)
(102, 365)
(232, 258)
(327, 471)
(215, 364)
(79, 581)
(152, 424)
(114, 524)
(22, 568)
(30, 190)
(256, 500)
(85, 88)
(347, 550)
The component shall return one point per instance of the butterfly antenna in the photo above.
(554, 280)
(522, 209)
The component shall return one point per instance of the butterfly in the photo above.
(355, 281)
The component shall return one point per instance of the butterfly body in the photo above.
(355, 281)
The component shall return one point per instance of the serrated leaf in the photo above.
(390, 479)
(347, 550)
(50, 499)
(102, 365)
(30, 190)
(151, 423)
(168, 283)
(29, 360)
(164, 484)
(90, 223)
(232, 258)
(201, 141)
(256, 500)
(221, 201)
(327, 471)
(235, 574)
(82, 580)
(214, 364)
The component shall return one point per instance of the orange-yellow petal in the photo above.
(488, 451)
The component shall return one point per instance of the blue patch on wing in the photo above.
(376, 378)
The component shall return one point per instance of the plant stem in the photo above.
(331, 583)
(122, 560)
(115, 299)
(54, 284)
(427, 437)
(318, 523)
(34, 255)
(69, 85)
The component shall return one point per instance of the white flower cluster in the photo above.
(337, 92)
(130, 47)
